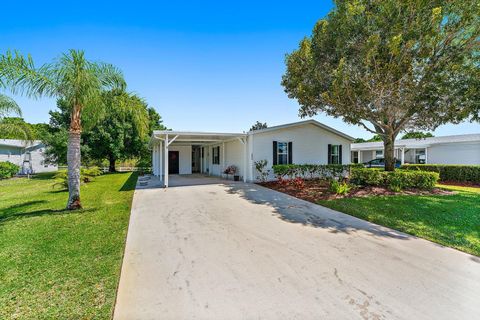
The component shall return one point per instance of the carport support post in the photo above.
(403, 155)
(165, 165)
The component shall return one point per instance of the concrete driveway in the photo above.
(240, 251)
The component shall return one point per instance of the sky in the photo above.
(203, 65)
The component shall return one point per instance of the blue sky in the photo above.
(207, 66)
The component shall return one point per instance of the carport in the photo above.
(201, 152)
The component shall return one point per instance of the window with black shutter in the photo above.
(334, 154)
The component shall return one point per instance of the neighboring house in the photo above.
(180, 152)
(458, 149)
(28, 155)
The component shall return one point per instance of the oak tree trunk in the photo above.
(389, 151)
(111, 166)
(74, 160)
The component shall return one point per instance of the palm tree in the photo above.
(77, 81)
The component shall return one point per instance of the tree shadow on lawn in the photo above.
(131, 182)
(22, 210)
(294, 210)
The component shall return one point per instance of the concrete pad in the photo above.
(240, 251)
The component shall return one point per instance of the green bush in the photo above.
(86, 175)
(395, 180)
(340, 188)
(8, 170)
(460, 173)
(322, 171)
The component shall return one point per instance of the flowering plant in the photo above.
(230, 170)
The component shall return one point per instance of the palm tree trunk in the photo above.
(74, 161)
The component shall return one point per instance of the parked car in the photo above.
(380, 163)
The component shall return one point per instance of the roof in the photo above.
(301, 123)
(19, 143)
(415, 143)
(192, 137)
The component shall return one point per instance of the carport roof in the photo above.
(192, 137)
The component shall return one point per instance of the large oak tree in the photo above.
(390, 66)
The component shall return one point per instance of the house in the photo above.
(457, 149)
(28, 155)
(182, 152)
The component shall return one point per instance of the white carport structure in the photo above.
(202, 152)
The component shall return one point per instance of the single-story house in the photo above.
(28, 155)
(457, 149)
(183, 152)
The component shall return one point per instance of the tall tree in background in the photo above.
(258, 126)
(390, 65)
(80, 83)
(417, 135)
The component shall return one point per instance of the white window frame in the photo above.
(282, 153)
(335, 155)
(379, 156)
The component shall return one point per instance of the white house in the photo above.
(28, 155)
(182, 152)
(457, 149)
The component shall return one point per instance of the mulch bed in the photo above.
(461, 184)
(318, 190)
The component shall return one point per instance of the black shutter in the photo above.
(290, 153)
(329, 160)
(274, 153)
(340, 154)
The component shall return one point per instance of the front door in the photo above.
(173, 162)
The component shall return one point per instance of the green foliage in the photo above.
(313, 170)
(459, 173)
(86, 175)
(395, 180)
(340, 188)
(258, 126)
(390, 65)
(8, 170)
(417, 135)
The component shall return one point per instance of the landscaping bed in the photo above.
(317, 189)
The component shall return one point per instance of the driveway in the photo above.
(240, 251)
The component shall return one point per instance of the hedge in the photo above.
(8, 169)
(313, 170)
(460, 173)
(395, 180)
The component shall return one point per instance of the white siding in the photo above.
(309, 145)
(458, 153)
(17, 155)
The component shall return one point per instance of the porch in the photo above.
(205, 153)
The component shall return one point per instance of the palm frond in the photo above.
(8, 107)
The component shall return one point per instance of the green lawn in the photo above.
(56, 264)
(451, 220)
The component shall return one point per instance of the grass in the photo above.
(56, 264)
(450, 220)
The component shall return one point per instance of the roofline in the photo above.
(300, 123)
(198, 133)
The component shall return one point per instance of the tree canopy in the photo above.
(390, 66)
(417, 135)
(258, 126)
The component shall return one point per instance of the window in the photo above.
(216, 155)
(282, 152)
(378, 153)
(335, 154)
(420, 156)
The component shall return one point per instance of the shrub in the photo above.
(341, 188)
(86, 175)
(395, 180)
(460, 173)
(260, 166)
(8, 170)
(325, 171)
(298, 183)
